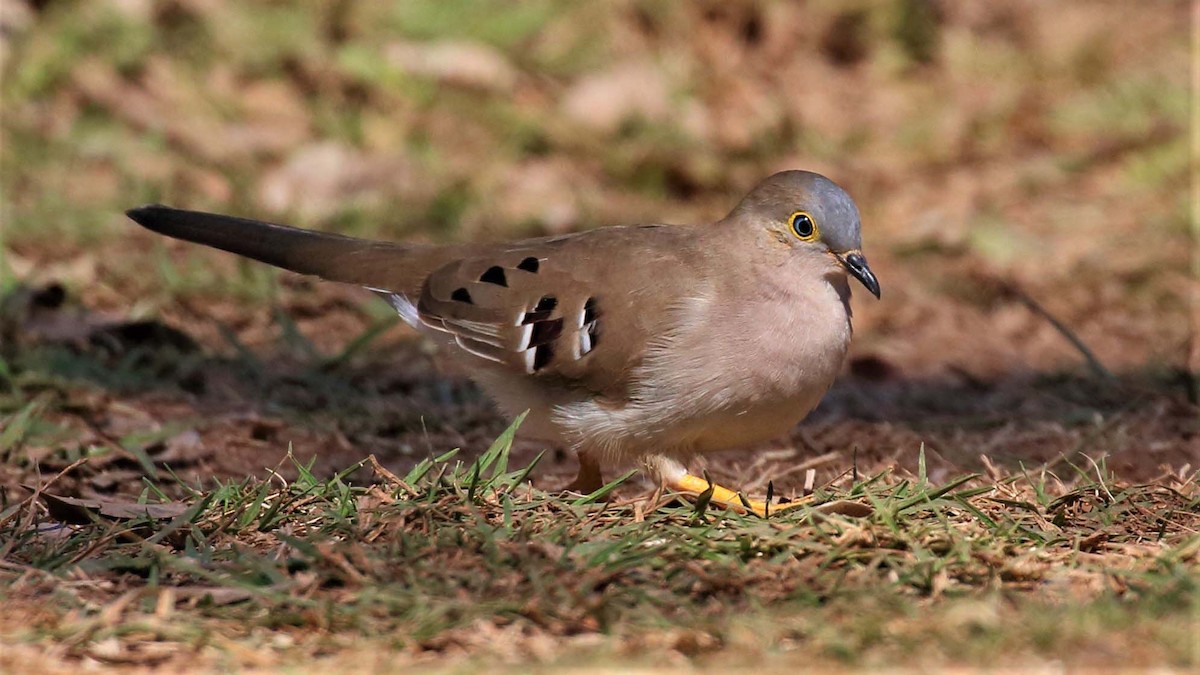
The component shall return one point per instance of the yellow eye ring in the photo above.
(804, 226)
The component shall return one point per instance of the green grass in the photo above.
(427, 557)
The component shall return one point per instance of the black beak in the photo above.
(856, 265)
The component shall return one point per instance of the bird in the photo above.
(639, 344)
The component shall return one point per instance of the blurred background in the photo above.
(1011, 160)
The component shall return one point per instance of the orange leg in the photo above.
(589, 479)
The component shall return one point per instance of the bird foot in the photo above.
(712, 493)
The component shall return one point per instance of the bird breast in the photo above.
(735, 369)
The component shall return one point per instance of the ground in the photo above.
(1019, 410)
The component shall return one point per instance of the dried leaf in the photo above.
(79, 511)
(843, 507)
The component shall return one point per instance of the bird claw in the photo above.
(711, 493)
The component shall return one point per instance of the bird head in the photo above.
(807, 211)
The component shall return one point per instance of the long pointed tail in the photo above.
(381, 265)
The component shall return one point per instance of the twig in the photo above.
(1010, 287)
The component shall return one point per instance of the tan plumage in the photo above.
(640, 343)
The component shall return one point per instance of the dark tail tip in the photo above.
(148, 216)
(145, 213)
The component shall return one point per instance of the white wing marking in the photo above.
(469, 350)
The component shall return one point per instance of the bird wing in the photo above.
(557, 308)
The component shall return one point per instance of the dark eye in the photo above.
(803, 226)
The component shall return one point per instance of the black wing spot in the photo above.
(589, 311)
(542, 311)
(545, 332)
(542, 354)
(494, 275)
(529, 264)
(462, 295)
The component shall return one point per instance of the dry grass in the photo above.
(464, 561)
